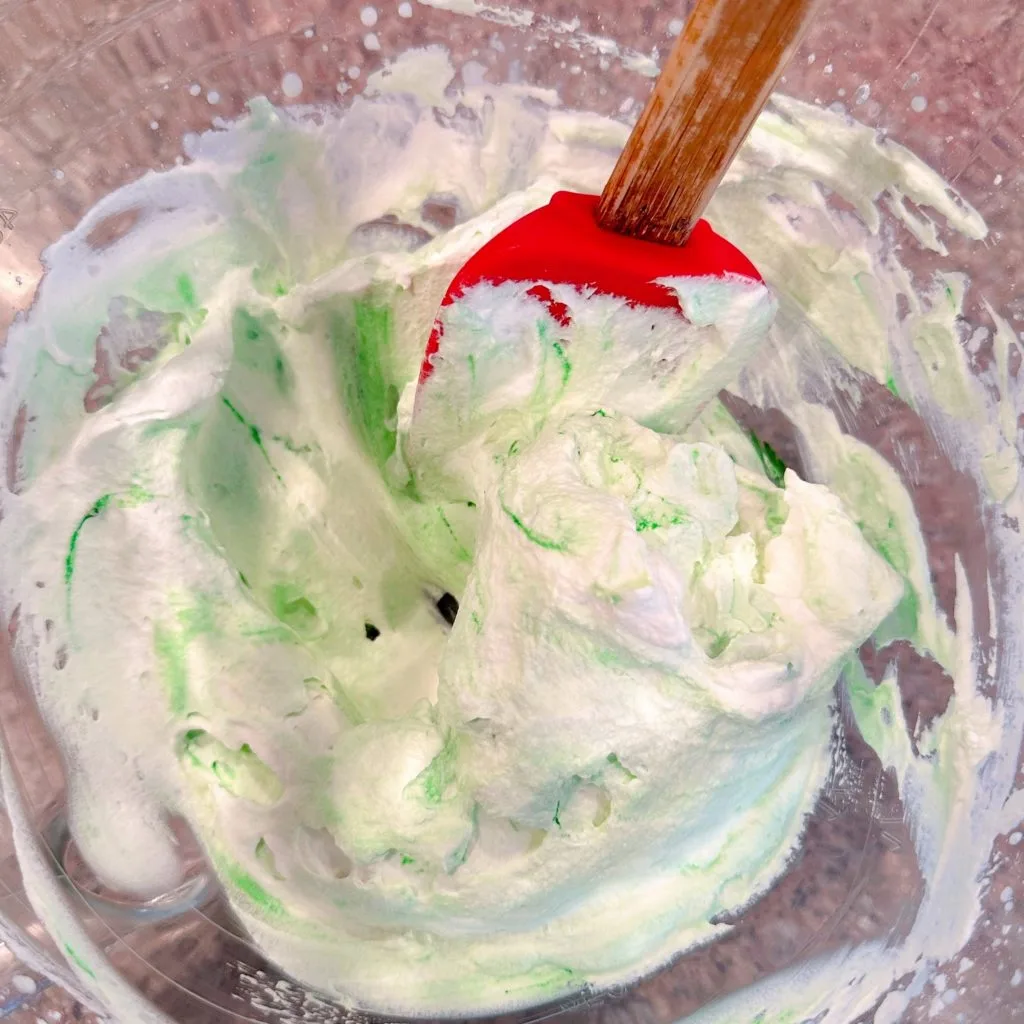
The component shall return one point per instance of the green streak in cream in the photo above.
(440, 775)
(97, 509)
(531, 535)
(171, 644)
(774, 467)
(187, 290)
(135, 495)
(564, 360)
(170, 652)
(256, 347)
(463, 554)
(76, 957)
(295, 610)
(255, 433)
(289, 445)
(613, 759)
(361, 337)
(565, 366)
(250, 888)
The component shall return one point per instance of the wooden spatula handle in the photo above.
(713, 85)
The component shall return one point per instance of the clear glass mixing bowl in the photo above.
(96, 92)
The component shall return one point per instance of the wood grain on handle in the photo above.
(713, 85)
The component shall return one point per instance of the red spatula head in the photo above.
(562, 243)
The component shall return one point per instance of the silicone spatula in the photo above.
(624, 304)
(647, 225)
